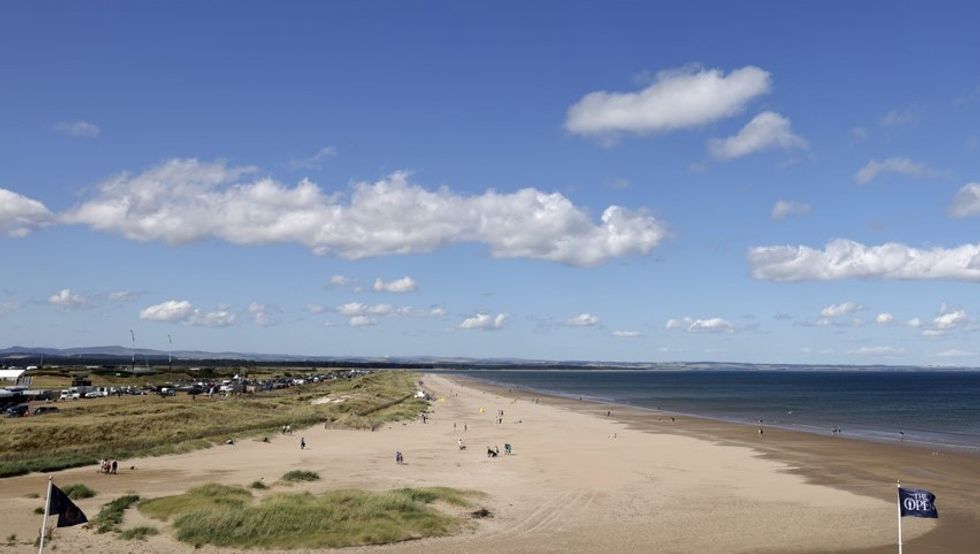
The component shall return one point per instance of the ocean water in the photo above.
(932, 407)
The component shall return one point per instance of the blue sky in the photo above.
(757, 182)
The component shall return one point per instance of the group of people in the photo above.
(286, 430)
(108, 467)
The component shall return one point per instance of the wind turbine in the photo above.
(133, 366)
(170, 357)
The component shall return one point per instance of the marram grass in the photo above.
(230, 517)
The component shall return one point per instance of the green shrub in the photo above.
(259, 485)
(111, 514)
(138, 533)
(301, 475)
(78, 490)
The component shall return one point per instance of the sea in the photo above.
(929, 407)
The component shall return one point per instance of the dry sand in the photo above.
(578, 482)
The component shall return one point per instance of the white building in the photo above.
(10, 374)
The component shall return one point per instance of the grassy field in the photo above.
(120, 428)
(230, 516)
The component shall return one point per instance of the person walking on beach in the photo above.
(399, 458)
(115, 466)
(302, 443)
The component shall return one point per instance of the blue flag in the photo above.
(917, 503)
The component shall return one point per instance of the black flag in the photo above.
(917, 503)
(68, 513)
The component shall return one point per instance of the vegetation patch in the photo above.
(132, 426)
(78, 490)
(300, 475)
(230, 517)
(259, 485)
(111, 515)
(137, 533)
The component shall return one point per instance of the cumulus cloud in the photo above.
(837, 310)
(125, 296)
(914, 323)
(65, 299)
(405, 284)
(362, 321)
(314, 161)
(785, 208)
(183, 201)
(626, 334)
(709, 325)
(878, 351)
(846, 259)
(182, 311)
(948, 320)
(677, 99)
(966, 202)
(766, 131)
(884, 318)
(78, 129)
(898, 166)
(264, 315)
(583, 320)
(484, 321)
(316, 308)
(20, 214)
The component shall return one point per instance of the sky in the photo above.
(755, 182)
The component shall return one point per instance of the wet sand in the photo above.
(578, 481)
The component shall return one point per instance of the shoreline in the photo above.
(577, 481)
(853, 433)
(859, 466)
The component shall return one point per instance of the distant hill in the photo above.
(121, 355)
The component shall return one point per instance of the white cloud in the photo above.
(316, 308)
(352, 309)
(183, 201)
(362, 321)
(677, 99)
(785, 208)
(846, 259)
(583, 320)
(837, 310)
(897, 118)
(626, 334)
(68, 300)
(899, 166)
(182, 311)
(405, 284)
(966, 202)
(20, 214)
(950, 319)
(78, 129)
(766, 131)
(884, 318)
(709, 325)
(9, 307)
(878, 351)
(339, 281)
(362, 312)
(915, 323)
(125, 296)
(484, 321)
(264, 315)
(314, 161)
(954, 353)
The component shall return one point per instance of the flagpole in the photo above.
(44, 522)
(898, 507)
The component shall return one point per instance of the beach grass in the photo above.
(133, 426)
(300, 475)
(137, 533)
(110, 516)
(78, 490)
(227, 516)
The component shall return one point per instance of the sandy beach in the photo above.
(578, 481)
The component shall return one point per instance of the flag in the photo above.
(68, 513)
(917, 503)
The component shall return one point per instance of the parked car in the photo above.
(69, 395)
(94, 394)
(19, 410)
(41, 410)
